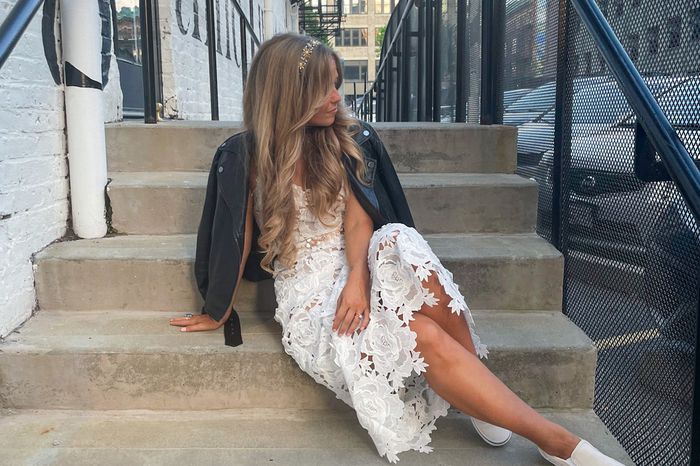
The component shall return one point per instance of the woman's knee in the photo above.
(430, 337)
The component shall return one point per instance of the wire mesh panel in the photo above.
(529, 85)
(632, 248)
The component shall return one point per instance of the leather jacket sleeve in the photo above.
(218, 257)
(396, 208)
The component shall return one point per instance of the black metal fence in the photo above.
(432, 62)
(632, 248)
(631, 243)
(151, 66)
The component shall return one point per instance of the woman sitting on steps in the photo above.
(368, 311)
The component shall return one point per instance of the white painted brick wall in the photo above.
(185, 58)
(34, 188)
(33, 170)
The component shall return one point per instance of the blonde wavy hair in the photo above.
(278, 101)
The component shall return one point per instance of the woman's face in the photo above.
(326, 114)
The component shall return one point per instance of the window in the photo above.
(355, 7)
(384, 7)
(352, 37)
(653, 40)
(355, 70)
(695, 24)
(674, 31)
(633, 47)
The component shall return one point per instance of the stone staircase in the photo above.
(98, 376)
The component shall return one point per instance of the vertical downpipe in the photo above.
(268, 20)
(81, 43)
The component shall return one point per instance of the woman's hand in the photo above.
(353, 300)
(197, 323)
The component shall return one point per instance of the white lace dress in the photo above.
(387, 390)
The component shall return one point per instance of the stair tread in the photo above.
(198, 179)
(182, 247)
(254, 435)
(148, 331)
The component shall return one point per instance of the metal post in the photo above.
(148, 57)
(364, 100)
(429, 82)
(695, 423)
(562, 128)
(461, 71)
(437, 78)
(406, 70)
(354, 97)
(420, 88)
(244, 50)
(492, 44)
(213, 80)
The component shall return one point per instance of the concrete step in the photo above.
(251, 437)
(157, 273)
(136, 359)
(413, 147)
(162, 203)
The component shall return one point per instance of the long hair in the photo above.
(278, 101)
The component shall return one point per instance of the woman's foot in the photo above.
(584, 454)
(491, 434)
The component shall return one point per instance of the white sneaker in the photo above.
(584, 454)
(493, 435)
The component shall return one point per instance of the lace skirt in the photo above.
(378, 372)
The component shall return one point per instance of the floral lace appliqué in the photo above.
(378, 372)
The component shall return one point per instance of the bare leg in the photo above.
(454, 324)
(462, 380)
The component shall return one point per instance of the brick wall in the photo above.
(185, 60)
(33, 170)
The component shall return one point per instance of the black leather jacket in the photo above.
(221, 230)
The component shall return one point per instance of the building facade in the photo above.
(359, 41)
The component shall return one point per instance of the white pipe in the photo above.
(268, 19)
(82, 65)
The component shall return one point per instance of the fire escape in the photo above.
(320, 18)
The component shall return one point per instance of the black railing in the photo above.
(151, 64)
(429, 52)
(15, 24)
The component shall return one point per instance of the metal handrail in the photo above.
(661, 133)
(389, 48)
(15, 24)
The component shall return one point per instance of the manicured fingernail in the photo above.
(183, 329)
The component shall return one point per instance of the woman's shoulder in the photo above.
(237, 141)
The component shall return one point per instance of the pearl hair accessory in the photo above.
(306, 53)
